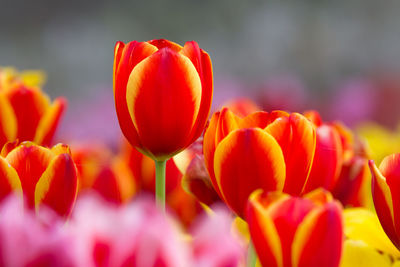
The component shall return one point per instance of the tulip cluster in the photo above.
(288, 187)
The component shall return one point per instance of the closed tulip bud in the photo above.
(162, 94)
(272, 151)
(291, 231)
(44, 176)
(386, 195)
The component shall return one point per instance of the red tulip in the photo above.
(162, 94)
(45, 176)
(386, 195)
(272, 151)
(291, 231)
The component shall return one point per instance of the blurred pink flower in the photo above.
(214, 244)
(26, 241)
(133, 235)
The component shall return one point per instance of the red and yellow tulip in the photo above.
(272, 151)
(296, 232)
(162, 94)
(44, 176)
(386, 195)
(26, 113)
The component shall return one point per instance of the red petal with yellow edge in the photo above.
(296, 137)
(327, 161)
(209, 144)
(9, 180)
(57, 187)
(246, 160)
(163, 97)
(382, 193)
(227, 122)
(202, 62)
(126, 58)
(29, 105)
(163, 43)
(8, 121)
(49, 122)
(29, 161)
(264, 235)
(319, 238)
(287, 215)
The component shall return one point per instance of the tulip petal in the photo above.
(126, 58)
(318, 240)
(29, 161)
(8, 121)
(167, 86)
(383, 202)
(327, 161)
(49, 122)
(29, 105)
(246, 160)
(363, 225)
(261, 119)
(287, 215)
(202, 62)
(57, 187)
(227, 122)
(164, 43)
(264, 235)
(209, 144)
(296, 137)
(9, 180)
(359, 254)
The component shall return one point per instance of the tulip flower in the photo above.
(27, 113)
(163, 97)
(44, 176)
(136, 234)
(272, 151)
(101, 171)
(213, 243)
(291, 231)
(328, 157)
(26, 241)
(385, 186)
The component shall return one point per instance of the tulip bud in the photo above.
(45, 176)
(291, 231)
(162, 95)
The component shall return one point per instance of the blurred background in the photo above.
(340, 57)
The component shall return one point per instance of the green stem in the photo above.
(251, 256)
(160, 184)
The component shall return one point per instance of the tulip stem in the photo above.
(251, 256)
(160, 184)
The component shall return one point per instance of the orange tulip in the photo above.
(162, 94)
(291, 231)
(386, 195)
(45, 176)
(27, 114)
(272, 151)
